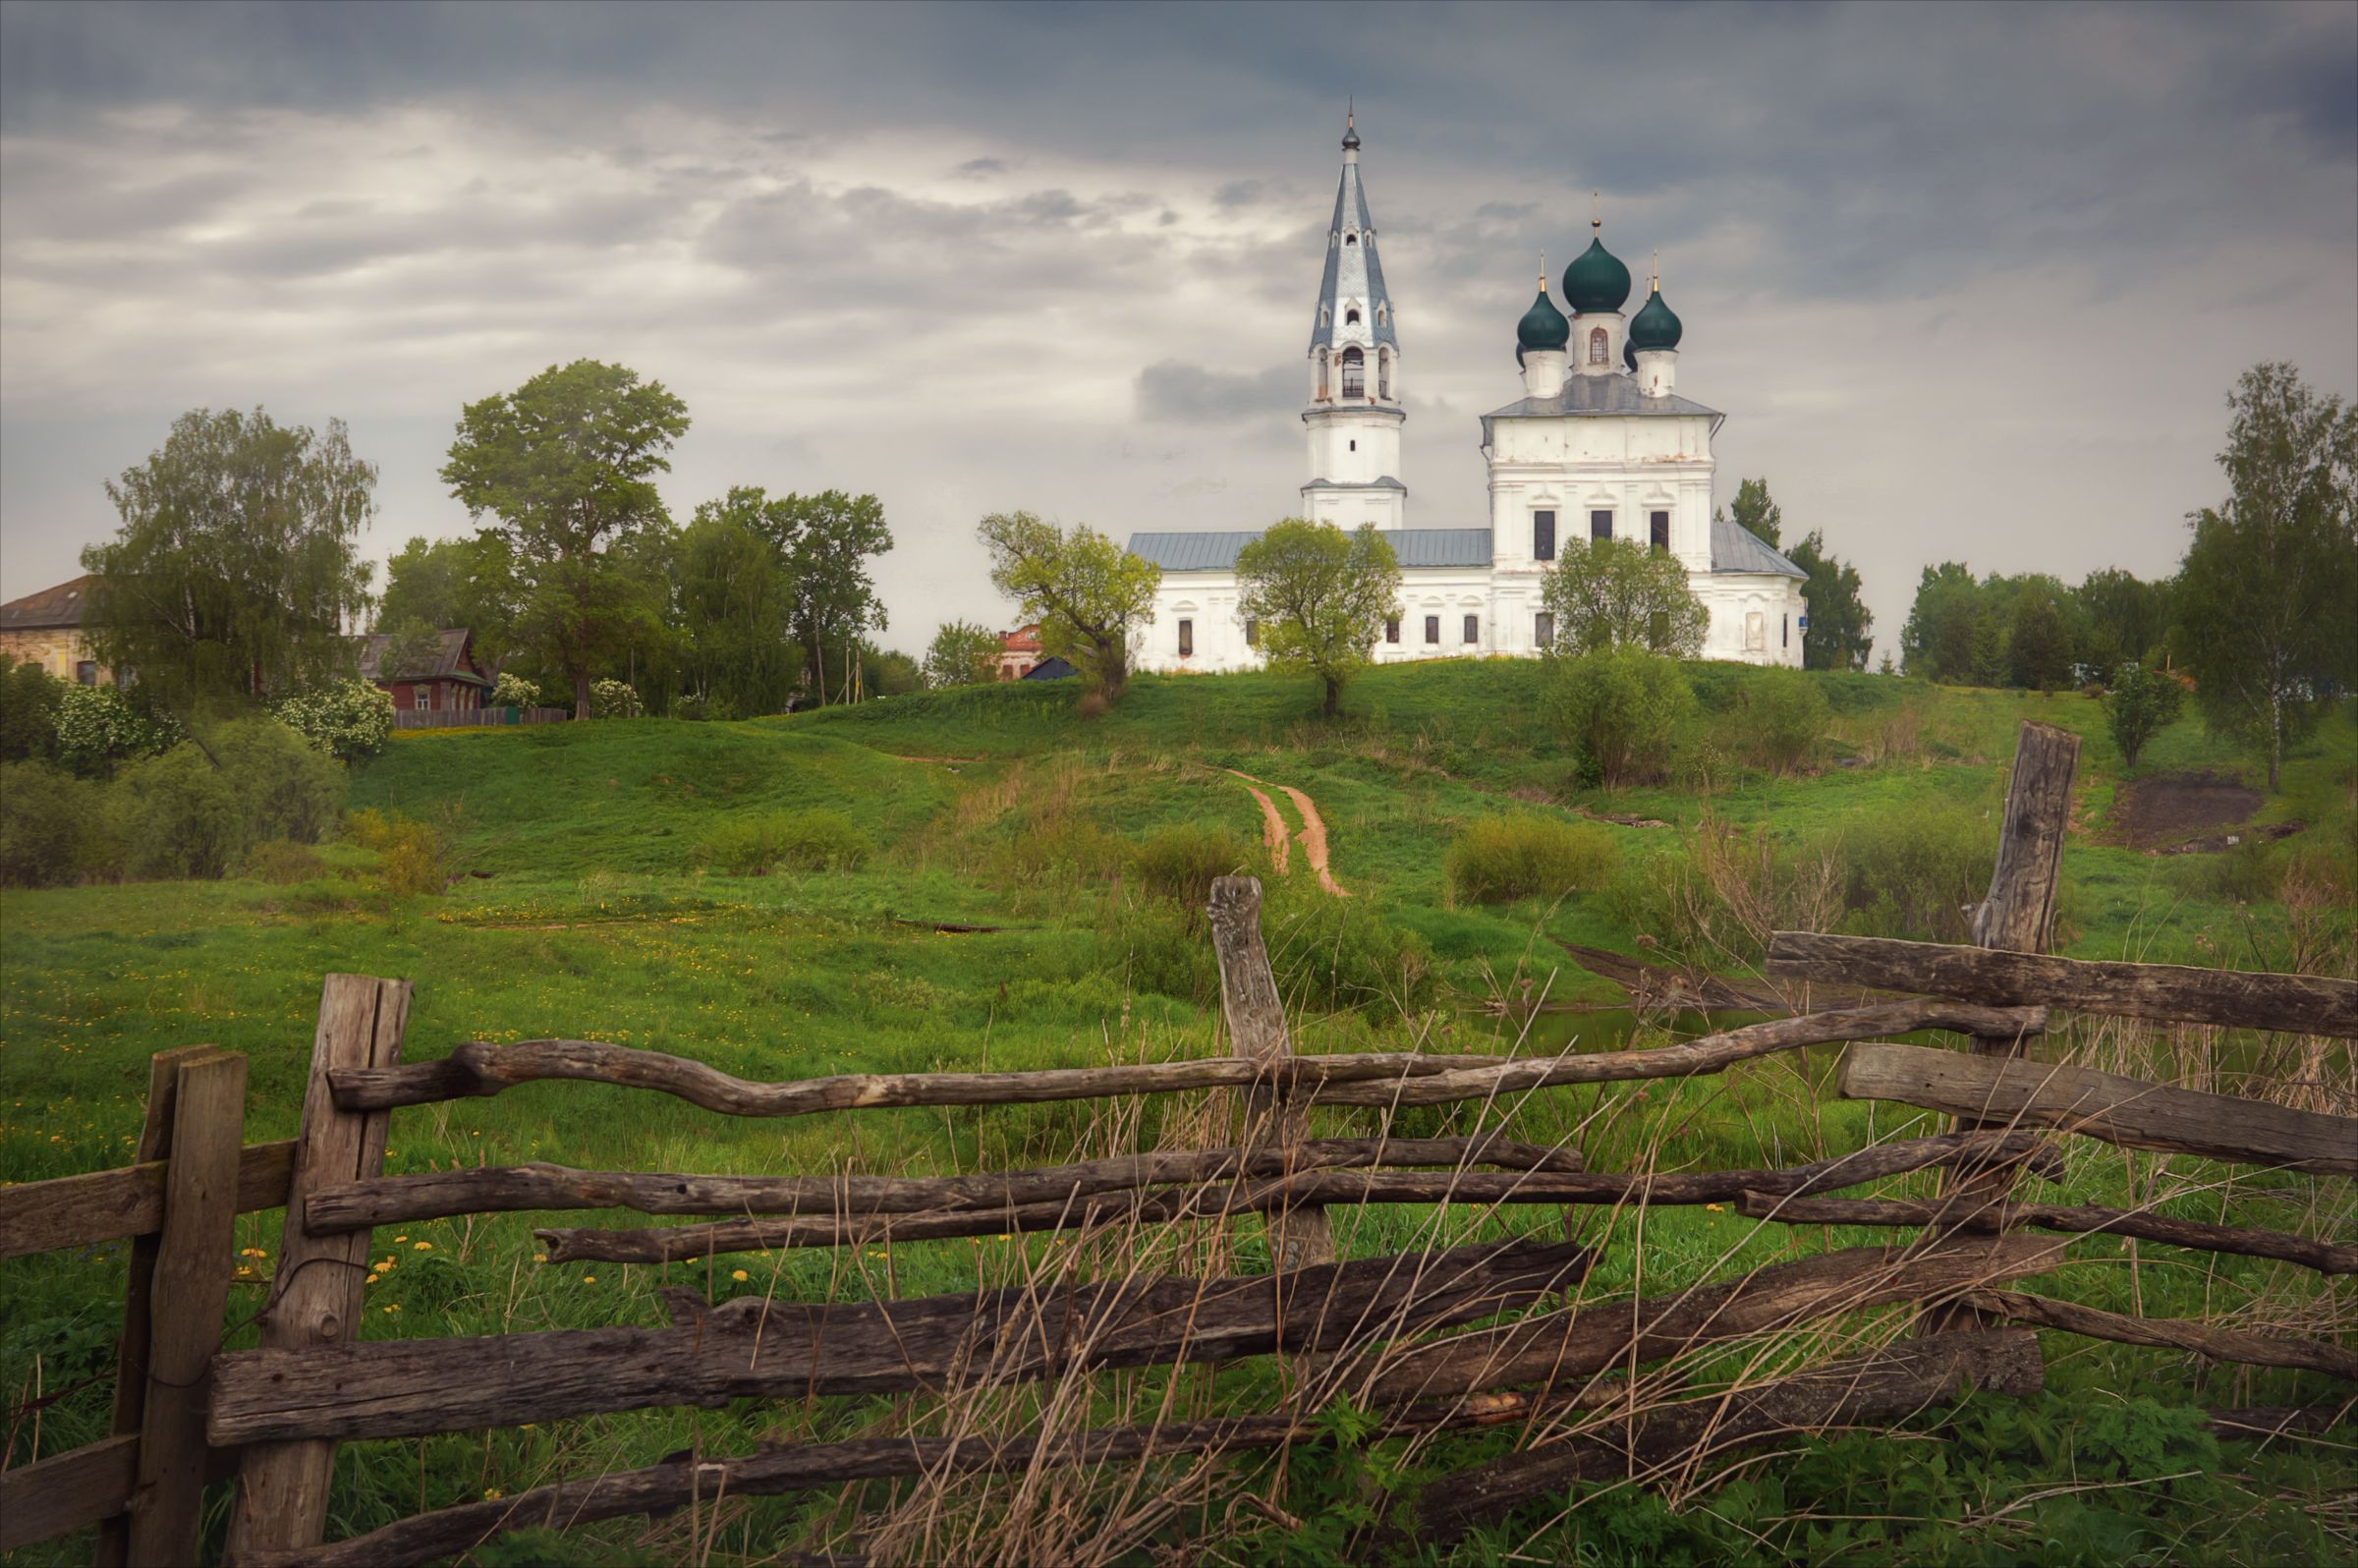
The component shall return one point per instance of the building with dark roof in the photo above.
(441, 677)
(1599, 446)
(46, 629)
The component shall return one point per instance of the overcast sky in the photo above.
(1968, 282)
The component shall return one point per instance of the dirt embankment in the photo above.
(2188, 812)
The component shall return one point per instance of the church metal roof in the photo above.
(1414, 548)
(1354, 272)
(1736, 548)
(1598, 394)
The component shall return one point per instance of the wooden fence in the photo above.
(1449, 1338)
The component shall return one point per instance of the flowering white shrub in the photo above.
(98, 727)
(346, 719)
(613, 699)
(514, 691)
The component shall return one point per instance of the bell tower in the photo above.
(1354, 417)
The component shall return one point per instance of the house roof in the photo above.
(61, 605)
(1736, 548)
(449, 661)
(1207, 551)
(1049, 669)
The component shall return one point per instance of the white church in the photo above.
(1598, 446)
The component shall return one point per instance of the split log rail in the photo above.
(1438, 1339)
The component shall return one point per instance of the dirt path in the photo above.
(1273, 827)
(1313, 836)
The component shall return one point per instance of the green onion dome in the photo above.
(1654, 326)
(1595, 280)
(1629, 355)
(1543, 325)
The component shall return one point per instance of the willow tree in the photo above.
(1319, 597)
(237, 567)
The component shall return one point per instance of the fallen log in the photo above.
(104, 1206)
(794, 1350)
(2126, 1111)
(802, 1466)
(2298, 1005)
(1554, 1348)
(2170, 1333)
(1977, 1212)
(399, 1200)
(478, 1068)
(1212, 1202)
(1876, 1389)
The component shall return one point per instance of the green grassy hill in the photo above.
(1022, 901)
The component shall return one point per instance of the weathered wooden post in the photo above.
(1249, 1000)
(316, 1294)
(131, 1347)
(188, 1293)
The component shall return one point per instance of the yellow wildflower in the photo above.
(422, 1246)
(588, 1280)
(739, 1275)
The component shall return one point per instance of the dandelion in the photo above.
(492, 1495)
(739, 1275)
(588, 1280)
(1716, 1209)
(539, 1258)
(401, 1238)
(422, 1246)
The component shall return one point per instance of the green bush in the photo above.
(1623, 709)
(2143, 703)
(614, 700)
(346, 719)
(28, 702)
(289, 787)
(1499, 859)
(98, 727)
(1779, 719)
(1331, 954)
(284, 862)
(1915, 874)
(802, 841)
(514, 691)
(1181, 862)
(44, 814)
(180, 816)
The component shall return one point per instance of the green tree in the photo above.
(836, 536)
(1086, 593)
(733, 602)
(1618, 594)
(1623, 707)
(1839, 621)
(962, 653)
(238, 563)
(2142, 704)
(2122, 617)
(2039, 642)
(563, 462)
(29, 703)
(1755, 511)
(1322, 597)
(889, 672)
(469, 583)
(1948, 628)
(2265, 594)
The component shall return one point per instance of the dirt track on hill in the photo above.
(1273, 827)
(1313, 836)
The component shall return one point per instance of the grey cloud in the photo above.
(1190, 394)
(976, 168)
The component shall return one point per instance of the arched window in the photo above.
(1354, 374)
(1351, 316)
(1350, 239)
(1384, 374)
(1596, 346)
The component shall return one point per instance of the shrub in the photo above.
(2143, 703)
(347, 720)
(412, 857)
(1780, 719)
(514, 691)
(29, 699)
(1916, 873)
(284, 862)
(98, 727)
(1623, 709)
(368, 828)
(1330, 954)
(44, 814)
(289, 787)
(614, 700)
(1498, 859)
(804, 841)
(1715, 898)
(1181, 862)
(180, 816)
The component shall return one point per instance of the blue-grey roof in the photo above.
(1736, 548)
(1353, 272)
(1598, 394)
(1382, 482)
(1209, 551)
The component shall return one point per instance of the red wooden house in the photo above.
(446, 679)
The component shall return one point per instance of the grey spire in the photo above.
(1353, 278)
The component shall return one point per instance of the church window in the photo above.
(1355, 446)
(1252, 633)
(1187, 638)
(1473, 629)
(1350, 239)
(1784, 630)
(1597, 354)
(1432, 630)
(1355, 373)
(1660, 523)
(1391, 629)
(1323, 371)
(1351, 316)
(1600, 524)
(1542, 629)
(1542, 536)
(1756, 632)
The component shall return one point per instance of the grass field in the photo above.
(585, 907)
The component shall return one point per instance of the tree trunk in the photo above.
(581, 693)
(1334, 698)
(2276, 737)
